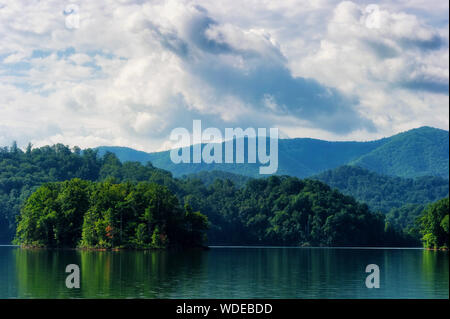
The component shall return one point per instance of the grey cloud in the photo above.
(386, 51)
(434, 43)
(302, 98)
(196, 30)
(174, 44)
(305, 99)
(168, 39)
(196, 33)
(381, 50)
(427, 85)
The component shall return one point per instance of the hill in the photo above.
(382, 192)
(419, 152)
(271, 211)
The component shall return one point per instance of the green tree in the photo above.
(433, 224)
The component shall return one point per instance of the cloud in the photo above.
(134, 70)
(370, 52)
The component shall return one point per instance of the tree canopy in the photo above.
(433, 225)
(78, 213)
(384, 193)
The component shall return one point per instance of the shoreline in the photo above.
(438, 249)
(107, 249)
(116, 249)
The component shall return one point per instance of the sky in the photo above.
(125, 73)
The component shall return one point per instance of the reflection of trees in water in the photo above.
(109, 274)
(41, 273)
(230, 273)
(149, 274)
(434, 264)
(278, 272)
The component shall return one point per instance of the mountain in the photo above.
(418, 152)
(382, 192)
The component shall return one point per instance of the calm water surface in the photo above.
(225, 272)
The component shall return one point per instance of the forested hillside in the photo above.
(21, 173)
(381, 192)
(209, 177)
(419, 152)
(275, 210)
(282, 210)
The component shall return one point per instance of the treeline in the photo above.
(80, 213)
(278, 210)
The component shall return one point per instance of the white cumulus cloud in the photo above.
(128, 72)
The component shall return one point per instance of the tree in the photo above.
(433, 224)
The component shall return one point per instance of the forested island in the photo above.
(75, 198)
(85, 214)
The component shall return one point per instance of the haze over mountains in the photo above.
(418, 152)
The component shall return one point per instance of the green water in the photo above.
(225, 272)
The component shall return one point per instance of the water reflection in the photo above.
(224, 273)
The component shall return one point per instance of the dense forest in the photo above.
(22, 172)
(209, 177)
(384, 193)
(283, 210)
(406, 216)
(279, 210)
(403, 200)
(78, 213)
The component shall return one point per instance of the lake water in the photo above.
(225, 272)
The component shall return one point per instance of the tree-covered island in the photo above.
(78, 213)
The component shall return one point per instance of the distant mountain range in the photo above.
(418, 152)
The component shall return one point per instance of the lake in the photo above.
(225, 272)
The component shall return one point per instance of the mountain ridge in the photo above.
(418, 152)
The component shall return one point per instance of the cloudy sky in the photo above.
(126, 73)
